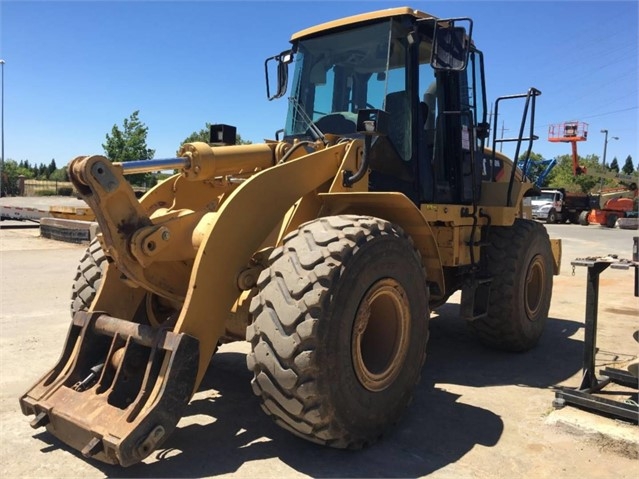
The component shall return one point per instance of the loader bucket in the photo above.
(118, 390)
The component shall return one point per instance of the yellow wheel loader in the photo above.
(326, 248)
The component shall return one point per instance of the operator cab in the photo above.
(433, 149)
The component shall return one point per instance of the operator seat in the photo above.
(390, 156)
(397, 106)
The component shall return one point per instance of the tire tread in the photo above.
(499, 330)
(87, 278)
(286, 313)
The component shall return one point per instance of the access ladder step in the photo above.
(475, 296)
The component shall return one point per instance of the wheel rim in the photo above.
(534, 287)
(380, 335)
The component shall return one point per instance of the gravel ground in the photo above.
(477, 413)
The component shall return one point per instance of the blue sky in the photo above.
(74, 69)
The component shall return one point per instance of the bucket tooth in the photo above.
(41, 419)
(93, 447)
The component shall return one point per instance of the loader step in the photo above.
(475, 295)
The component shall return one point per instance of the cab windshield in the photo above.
(338, 74)
(547, 196)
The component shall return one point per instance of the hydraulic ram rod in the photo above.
(147, 166)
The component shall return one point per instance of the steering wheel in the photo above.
(367, 105)
(337, 123)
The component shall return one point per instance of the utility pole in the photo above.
(605, 132)
(2, 193)
(501, 145)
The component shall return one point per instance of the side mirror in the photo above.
(281, 74)
(451, 45)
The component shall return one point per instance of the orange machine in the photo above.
(612, 210)
(570, 132)
(622, 204)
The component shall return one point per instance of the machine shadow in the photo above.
(224, 428)
(556, 358)
(233, 430)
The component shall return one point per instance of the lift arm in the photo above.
(123, 380)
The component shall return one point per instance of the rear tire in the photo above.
(611, 221)
(520, 261)
(88, 277)
(583, 218)
(340, 330)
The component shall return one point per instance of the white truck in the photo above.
(558, 205)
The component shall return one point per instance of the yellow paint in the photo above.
(362, 18)
(239, 228)
(398, 209)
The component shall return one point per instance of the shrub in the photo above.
(65, 191)
(45, 193)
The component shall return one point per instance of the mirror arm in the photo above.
(283, 59)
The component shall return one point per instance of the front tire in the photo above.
(340, 330)
(88, 277)
(552, 217)
(520, 261)
(611, 220)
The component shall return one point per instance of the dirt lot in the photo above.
(476, 413)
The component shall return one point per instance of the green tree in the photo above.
(562, 176)
(60, 174)
(51, 168)
(204, 136)
(628, 167)
(43, 172)
(614, 165)
(10, 173)
(129, 144)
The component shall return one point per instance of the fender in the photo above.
(398, 209)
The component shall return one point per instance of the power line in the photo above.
(544, 127)
(611, 112)
(582, 80)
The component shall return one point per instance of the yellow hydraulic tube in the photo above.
(205, 162)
